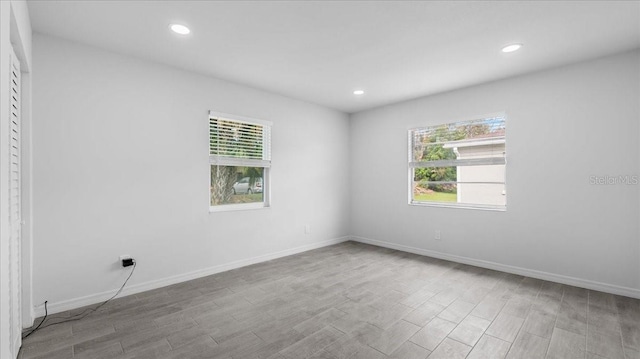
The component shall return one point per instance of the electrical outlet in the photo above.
(437, 236)
(307, 229)
(126, 260)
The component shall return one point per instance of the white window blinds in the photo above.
(239, 142)
(439, 146)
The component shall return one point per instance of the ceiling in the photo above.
(322, 51)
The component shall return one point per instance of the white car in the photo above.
(242, 186)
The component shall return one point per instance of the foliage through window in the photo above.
(239, 158)
(459, 164)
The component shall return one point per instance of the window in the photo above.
(240, 158)
(459, 164)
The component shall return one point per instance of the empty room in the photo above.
(319, 179)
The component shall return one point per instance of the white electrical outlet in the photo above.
(307, 229)
(123, 257)
(437, 236)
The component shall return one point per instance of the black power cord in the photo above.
(46, 313)
(82, 315)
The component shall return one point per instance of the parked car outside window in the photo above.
(243, 186)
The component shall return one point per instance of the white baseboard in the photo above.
(141, 287)
(577, 282)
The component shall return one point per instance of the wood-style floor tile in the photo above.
(351, 301)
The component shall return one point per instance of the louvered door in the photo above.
(15, 218)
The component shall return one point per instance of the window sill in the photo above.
(460, 206)
(238, 207)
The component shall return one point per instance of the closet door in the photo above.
(15, 218)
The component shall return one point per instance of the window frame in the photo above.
(265, 164)
(410, 169)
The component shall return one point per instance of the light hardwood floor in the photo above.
(353, 301)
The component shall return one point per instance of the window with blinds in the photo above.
(239, 159)
(459, 164)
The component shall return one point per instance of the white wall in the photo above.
(121, 167)
(564, 125)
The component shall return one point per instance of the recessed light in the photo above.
(180, 29)
(511, 48)
(358, 92)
